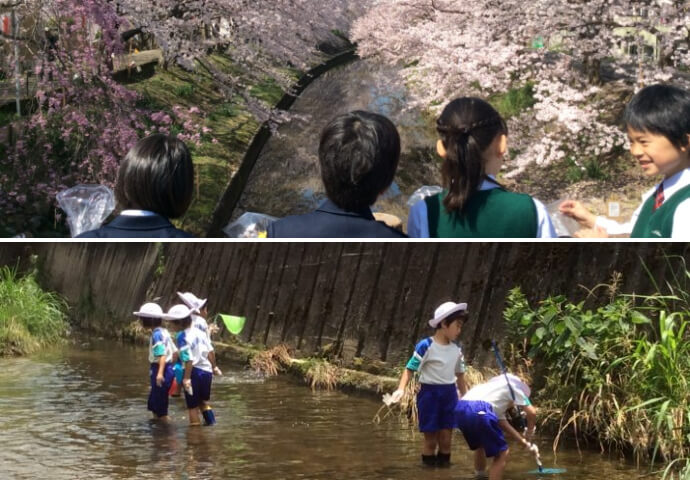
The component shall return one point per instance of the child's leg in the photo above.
(479, 460)
(445, 437)
(429, 448)
(498, 466)
(194, 416)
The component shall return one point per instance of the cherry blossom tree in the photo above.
(84, 121)
(566, 49)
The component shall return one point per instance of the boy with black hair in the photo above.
(441, 367)
(155, 182)
(658, 123)
(358, 155)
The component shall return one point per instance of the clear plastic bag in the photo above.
(564, 225)
(86, 206)
(422, 192)
(249, 225)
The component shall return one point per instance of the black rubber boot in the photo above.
(443, 460)
(429, 460)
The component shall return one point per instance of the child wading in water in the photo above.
(658, 123)
(162, 354)
(198, 372)
(441, 368)
(199, 314)
(481, 416)
(473, 141)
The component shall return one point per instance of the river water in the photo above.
(79, 412)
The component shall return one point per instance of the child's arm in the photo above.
(461, 383)
(531, 414)
(161, 368)
(531, 421)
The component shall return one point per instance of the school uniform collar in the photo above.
(137, 213)
(134, 222)
(489, 183)
(675, 182)
(671, 184)
(329, 207)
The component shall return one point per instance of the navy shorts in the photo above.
(436, 407)
(158, 398)
(479, 425)
(201, 387)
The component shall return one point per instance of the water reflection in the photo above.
(81, 413)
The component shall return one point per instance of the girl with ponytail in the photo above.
(472, 142)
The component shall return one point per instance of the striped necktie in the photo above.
(659, 196)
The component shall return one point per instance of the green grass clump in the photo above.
(30, 318)
(514, 101)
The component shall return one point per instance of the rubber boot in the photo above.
(429, 460)
(209, 416)
(443, 460)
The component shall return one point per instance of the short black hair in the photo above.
(358, 154)
(186, 322)
(150, 322)
(157, 174)
(461, 315)
(662, 110)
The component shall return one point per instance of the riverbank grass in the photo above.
(618, 374)
(30, 318)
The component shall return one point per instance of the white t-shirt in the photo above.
(194, 346)
(497, 393)
(437, 364)
(161, 343)
(200, 323)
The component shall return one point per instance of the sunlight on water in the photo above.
(81, 413)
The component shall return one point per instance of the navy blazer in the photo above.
(331, 221)
(126, 226)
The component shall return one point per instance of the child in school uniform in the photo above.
(441, 367)
(473, 142)
(198, 373)
(155, 182)
(658, 123)
(481, 416)
(199, 314)
(162, 354)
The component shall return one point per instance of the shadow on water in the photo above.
(286, 178)
(81, 413)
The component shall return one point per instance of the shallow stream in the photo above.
(79, 412)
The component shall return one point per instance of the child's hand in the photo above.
(187, 384)
(395, 397)
(216, 371)
(159, 380)
(596, 232)
(577, 211)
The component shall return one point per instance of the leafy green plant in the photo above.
(616, 374)
(30, 317)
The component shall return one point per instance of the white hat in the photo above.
(150, 310)
(192, 301)
(446, 310)
(178, 312)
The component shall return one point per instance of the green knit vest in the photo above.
(659, 223)
(494, 213)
